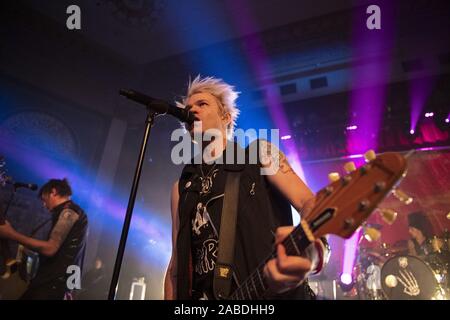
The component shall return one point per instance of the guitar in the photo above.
(6, 262)
(340, 209)
(15, 272)
(25, 261)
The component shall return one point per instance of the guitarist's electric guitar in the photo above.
(340, 209)
(6, 262)
(25, 261)
(15, 271)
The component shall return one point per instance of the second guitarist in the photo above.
(65, 245)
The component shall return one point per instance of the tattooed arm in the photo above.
(286, 272)
(59, 233)
(279, 173)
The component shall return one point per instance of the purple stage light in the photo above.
(258, 59)
(350, 248)
(419, 91)
(354, 156)
(367, 99)
(411, 131)
(447, 120)
(433, 149)
(352, 127)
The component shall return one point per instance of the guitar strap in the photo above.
(223, 271)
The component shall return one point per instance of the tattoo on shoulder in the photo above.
(63, 226)
(273, 158)
(285, 167)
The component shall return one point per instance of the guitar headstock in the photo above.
(348, 201)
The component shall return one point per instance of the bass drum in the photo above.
(407, 277)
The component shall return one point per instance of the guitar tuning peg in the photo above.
(370, 155)
(349, 167)
(333, 176)
(403, 197)
(371, 234)
(388, 215)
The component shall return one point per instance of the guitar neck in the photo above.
(255, 286)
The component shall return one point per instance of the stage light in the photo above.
(429, 114)
(447, 120)
(352, 127)
(411, 131)
(286, 137)
(346, 282)
(346, 278)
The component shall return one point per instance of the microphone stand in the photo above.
(126, 225)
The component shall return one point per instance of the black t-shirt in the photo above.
(208, 186)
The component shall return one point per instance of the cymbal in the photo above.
(401, 243)
(398, 249)
(386, 249)
(371, 253)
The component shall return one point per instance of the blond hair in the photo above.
(223, 92)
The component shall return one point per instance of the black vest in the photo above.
(71, 252)
(261, 210)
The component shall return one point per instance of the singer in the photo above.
(263, 211)
(65, 245)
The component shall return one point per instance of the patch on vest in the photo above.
(206, 257)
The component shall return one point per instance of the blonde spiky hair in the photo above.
(223, 92)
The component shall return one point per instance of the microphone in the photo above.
(30, 186)
(159, 106)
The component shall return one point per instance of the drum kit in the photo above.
(389, 272)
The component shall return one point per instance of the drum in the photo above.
(407, 277)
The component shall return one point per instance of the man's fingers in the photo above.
(282, 233)
(278, 280)
(291, 265)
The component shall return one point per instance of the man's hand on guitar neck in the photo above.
(286, 272)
